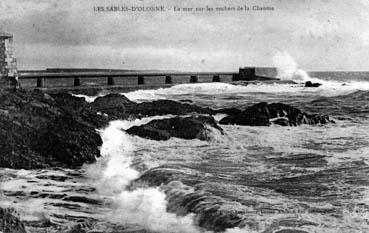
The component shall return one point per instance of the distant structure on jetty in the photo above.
(8, 62)
(255, 73)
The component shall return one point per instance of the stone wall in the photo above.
(253, 73)
(8, 62)
(267, 72)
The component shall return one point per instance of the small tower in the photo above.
(247, 73)
(8, 63)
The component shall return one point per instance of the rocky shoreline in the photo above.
(41, 130)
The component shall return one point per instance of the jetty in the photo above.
(59, 79)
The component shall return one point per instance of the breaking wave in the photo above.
(287, 68)
(142, 206)
(145, 199)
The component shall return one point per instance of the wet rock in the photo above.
(263, 114)
(72, 146)
(180, 127)
(114, 105)
(42, 131)
(78, 107)
(311, 84)
(255, 115)
(118, 106)
(150, 132)
(9, 223)
(69, 102)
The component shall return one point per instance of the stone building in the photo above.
(256, 73)
(8, 63)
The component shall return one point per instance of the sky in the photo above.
(318, 34)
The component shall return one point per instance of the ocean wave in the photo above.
(346, 105)
(113, 173)
(329, 88)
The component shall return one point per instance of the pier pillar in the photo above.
(8, 63)
(247, 73)
(216, 78)
(77, 82)
(40, 82)
(168, 79)
(111, 81)
(140, 80)
(194, 79)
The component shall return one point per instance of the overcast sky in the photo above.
(319, 34)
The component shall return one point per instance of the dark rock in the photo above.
(150, 132)
(73, 145)
(311, 84)
(256, 115)
(68, 102)
(120, 107)
(114, 105)
(263, 114)
(39, 130)
(9, 223)
(185, 101)
(228, 111)
(78, 107)
(180, 127)
(111, 100)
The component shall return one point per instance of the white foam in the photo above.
(240, 230)
(328, 88)
(219, 116)
(113, 173)
(88, 98)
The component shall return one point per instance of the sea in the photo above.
(309, 178)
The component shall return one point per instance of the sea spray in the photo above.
(144, 207)
(287, 67)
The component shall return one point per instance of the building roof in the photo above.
(4, 35)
